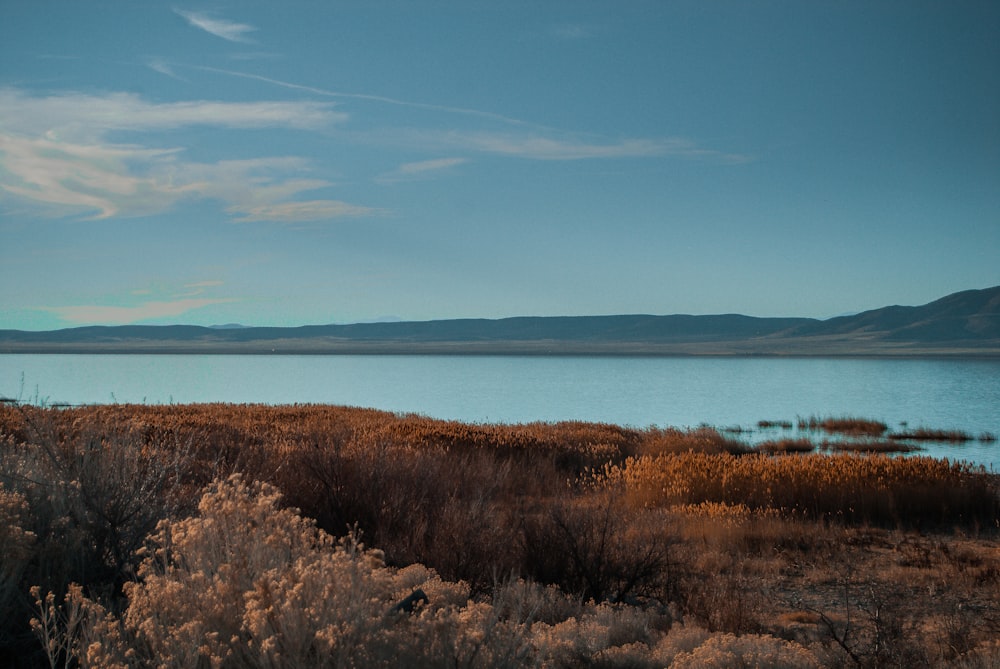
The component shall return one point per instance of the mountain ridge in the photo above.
(963, 323)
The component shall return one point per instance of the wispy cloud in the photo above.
(196, 288)
(553, 146)
(420, 169)
(54, 151)
(161, 301)
(548, 148)
(300, 211)
(227, 30)
(523, 139)
(204, 284)
(86, 117)
(430, 165)
(163, 67)
(124, 315)
(325, 92)
(73, 177)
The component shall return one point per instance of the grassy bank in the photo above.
(567, 544)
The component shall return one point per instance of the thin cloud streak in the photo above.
(197, 288)
(420, 170)
(364, 96)
(301, 211)
(430, 165)
(540, 145)
(227, 30)
(125, 315)
(163, 67)
(533, 146)
(83, 117)
(544, 148)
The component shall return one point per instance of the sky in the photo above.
(307, 162)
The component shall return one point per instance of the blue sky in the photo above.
(306, 162)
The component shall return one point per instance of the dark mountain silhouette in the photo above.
(962, 323)
(966, 316)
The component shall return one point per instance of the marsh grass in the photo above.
(773, 446)
(914, 491)
(844, 425)
(869, 446)
(930, 434)
(771, 424)
(559, 545)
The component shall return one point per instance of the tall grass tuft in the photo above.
(929, 434)
(774, 446)
(845, 425)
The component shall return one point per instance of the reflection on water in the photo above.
(801, 436)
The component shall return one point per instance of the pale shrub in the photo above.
(594, 635)
(15, 541)
(682, 638)
(80, 629)
(93, 493)
(16, 547)
(728, 651)
(190, 601)
(246, 583)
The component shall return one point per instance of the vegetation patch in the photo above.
(928, 434)
(845, 425)
(786, 446)
(240, 535)
(870, 446)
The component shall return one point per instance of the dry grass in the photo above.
(678, 537)
(845, 425)
(928, 434)
(773, 446)
(869, 446)
(914, 491)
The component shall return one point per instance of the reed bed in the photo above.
(869, 446)
(773, 446)
(875, 489)
(844, 425)
(770, 424)
(929, 434)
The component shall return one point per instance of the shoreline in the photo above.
(718, 349)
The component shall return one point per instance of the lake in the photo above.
(638, 391)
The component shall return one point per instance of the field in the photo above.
(308, 536)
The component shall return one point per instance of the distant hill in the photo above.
(965, 323)
(971, 315)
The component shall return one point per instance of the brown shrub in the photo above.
(598, 549)
(773, 446)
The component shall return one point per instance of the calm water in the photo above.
(638, 391)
